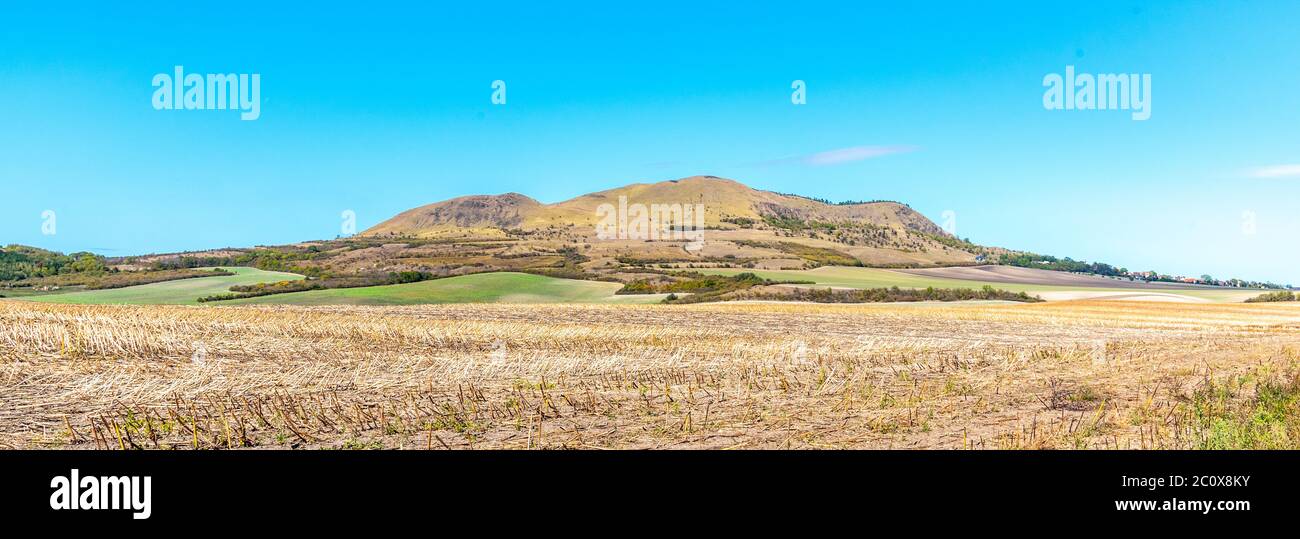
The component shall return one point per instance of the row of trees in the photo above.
(278, 259)
(843, 202)
(302, 285)
(879, 295)
(1031, 260)
(1283, 295)
(19, 262)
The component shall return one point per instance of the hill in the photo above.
(474, 212)
(738, 222)
(725, 201)
(652, 236)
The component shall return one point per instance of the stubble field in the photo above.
(1104, 374)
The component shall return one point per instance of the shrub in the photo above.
(1281, 295)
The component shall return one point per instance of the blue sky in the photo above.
(384, 108)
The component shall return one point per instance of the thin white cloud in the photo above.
(841, 156)
(856, 153)
(1277, 171)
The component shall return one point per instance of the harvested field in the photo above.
(1053, 375)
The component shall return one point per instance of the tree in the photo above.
(87, 263)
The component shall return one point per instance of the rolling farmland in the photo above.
(857, 277)
(181, 292)
(501, 287)
(497, 287)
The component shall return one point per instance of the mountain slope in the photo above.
(742, 226)
(470, 212)
(723, 199)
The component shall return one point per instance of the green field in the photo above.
(478, 288)
(28, 292)
(855, 277)
(183, 291)
(501, 287)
